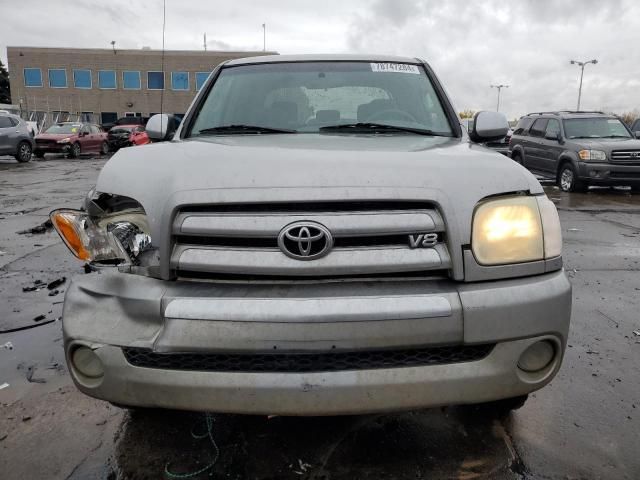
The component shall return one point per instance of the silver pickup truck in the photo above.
(318, 236)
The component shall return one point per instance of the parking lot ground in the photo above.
(585, 424)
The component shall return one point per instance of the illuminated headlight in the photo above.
(114, 239)
(64, 140)
(592, 156)
(515, 230)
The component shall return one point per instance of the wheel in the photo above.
(75, 150)
(568, 180)
(39, 154)
(517, 158)
(104, 150)
(23, 154)
(635, 188)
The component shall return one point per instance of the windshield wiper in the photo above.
(231, 129)
(617, 136)
(377, 127)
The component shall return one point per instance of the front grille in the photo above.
(626, 156)
(306, 362)
(369, 238)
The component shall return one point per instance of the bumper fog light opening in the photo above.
(537, 357)
(87, 363)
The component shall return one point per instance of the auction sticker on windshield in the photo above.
(395, 68)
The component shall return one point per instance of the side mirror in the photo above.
(162, 127)
(488, 126)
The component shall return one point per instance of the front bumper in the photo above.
(609, 173)
(53, 148)
(110, 311)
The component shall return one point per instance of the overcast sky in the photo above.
(470, 44)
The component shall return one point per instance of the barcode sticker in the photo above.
(395, 68)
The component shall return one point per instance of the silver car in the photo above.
(319, 236)
(15, 137)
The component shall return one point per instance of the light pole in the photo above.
(264, 37)
(581, 65)
(499, 87)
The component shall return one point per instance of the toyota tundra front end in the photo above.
(318, 237)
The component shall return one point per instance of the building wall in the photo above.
(119, 100)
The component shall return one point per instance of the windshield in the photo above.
(303, 97)
(64, 128)
(595, 127)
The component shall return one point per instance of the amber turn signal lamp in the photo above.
(68, 225)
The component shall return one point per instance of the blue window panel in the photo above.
(32, 77)
(201, 77)
(180, 80)
(107, 79)
(82, 78)
(155, 80)
(131, 80)
(58, 78)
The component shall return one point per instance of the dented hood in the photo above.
(312, 167)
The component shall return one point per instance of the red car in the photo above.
(73, 139)
(126, 136)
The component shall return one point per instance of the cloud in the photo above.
(471, 45)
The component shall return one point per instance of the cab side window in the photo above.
(95, 129)
(85, 130)
(522, 126)
(539, 127)
(553, 129)
(5, 122)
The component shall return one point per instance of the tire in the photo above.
(39, 154)
(23, 153)
(75, 151)
(104, 150)
(568, 180)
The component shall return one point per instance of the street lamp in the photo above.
(499, 87)
(264, 37)
(581, 65)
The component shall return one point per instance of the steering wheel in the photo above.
(391, 114)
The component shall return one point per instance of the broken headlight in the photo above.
(117, 238)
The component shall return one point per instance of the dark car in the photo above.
(126, 135)
(577, 149)
(15, 137)
(73, 139)
(635, 128)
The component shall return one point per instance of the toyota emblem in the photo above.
(305, 240)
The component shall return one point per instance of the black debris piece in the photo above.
(39, 318)
(53, 293)
(88, 268)
(29, 289)
(38, 229)
(56, 283)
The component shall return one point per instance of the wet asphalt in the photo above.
(585, 424)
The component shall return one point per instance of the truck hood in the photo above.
(608, 144)
(450, 172)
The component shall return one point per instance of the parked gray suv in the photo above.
(320, 236)
(15, 137)
(577, 149)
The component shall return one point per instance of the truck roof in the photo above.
(323, 58)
